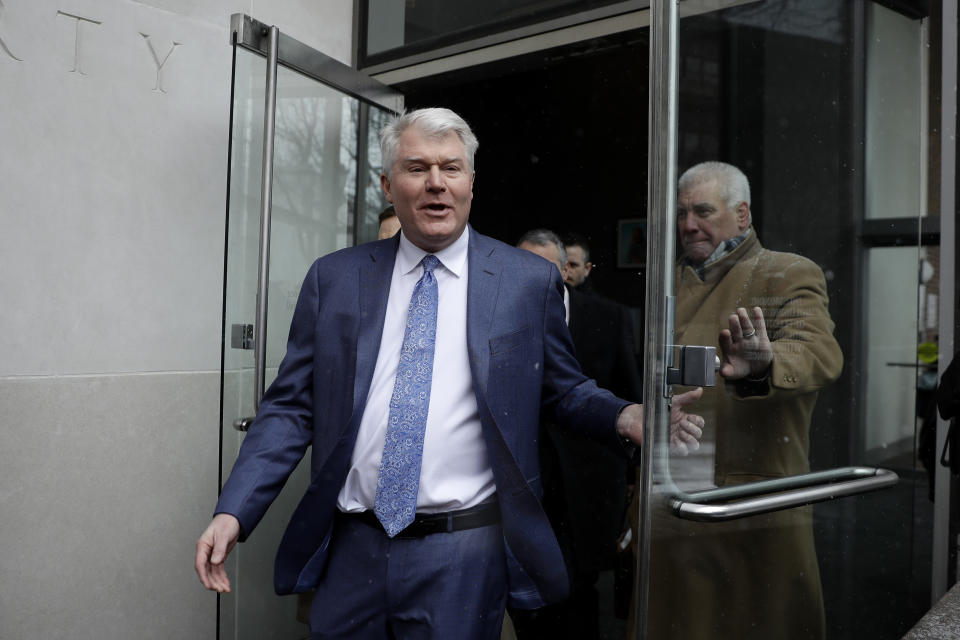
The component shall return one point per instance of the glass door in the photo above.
(306, 126)
(806, 512)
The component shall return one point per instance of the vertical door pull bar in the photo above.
(266, 204)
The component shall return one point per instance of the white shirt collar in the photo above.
(453, 257)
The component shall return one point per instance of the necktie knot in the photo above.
(429, 263)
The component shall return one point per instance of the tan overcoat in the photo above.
(755, 577)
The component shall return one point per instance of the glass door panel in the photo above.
(372, 201)
(240, 298)
(807, 100)
(318, 147)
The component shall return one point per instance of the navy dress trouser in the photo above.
(439, 586)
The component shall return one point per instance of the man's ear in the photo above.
(586, 268)
(385, 185)
(743, 216)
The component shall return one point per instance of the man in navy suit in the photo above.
(501, 355)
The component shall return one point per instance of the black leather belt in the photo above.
(425, 524)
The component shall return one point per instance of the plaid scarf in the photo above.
(723, 249)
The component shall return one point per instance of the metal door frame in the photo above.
(280, 49)
(948, 274)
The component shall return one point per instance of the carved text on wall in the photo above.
(82, 30)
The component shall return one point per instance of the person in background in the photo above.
(585, 485)
(389, 223)
(948, 403)
(576, 270)
(767, 313)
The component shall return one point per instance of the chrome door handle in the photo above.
(781, 493)
(696, 367)
(243, 424)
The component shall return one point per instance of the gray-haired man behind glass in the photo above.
(767, 312)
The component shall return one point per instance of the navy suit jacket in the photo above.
(521, 360)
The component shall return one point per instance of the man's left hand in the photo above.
(746, 346)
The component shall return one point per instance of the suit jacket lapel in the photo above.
(482, 288)
(375, 276)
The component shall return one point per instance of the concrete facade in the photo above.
(115, 124)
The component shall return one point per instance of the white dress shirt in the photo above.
(455, 473)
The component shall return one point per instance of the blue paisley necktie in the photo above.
(396, 501)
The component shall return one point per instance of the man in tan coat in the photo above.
(767, 313)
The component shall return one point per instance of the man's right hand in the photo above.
(213, 547)
(686, 429)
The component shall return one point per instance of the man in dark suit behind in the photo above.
(585, 484)
(577, 266)
(439, 560)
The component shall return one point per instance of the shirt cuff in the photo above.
(749, 386)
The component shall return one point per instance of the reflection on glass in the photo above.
(374, 202)
(313, 191)
(395, 24)
(895, 154)
(891, 357)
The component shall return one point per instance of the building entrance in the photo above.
(826, 257)
(804, 101)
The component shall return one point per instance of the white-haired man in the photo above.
(767, 312)
(417, 367)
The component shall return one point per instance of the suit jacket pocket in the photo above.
(509, 341)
